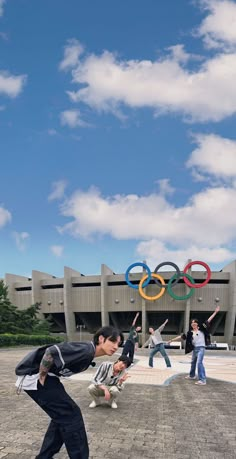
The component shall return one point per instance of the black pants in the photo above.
(66, 426)
(129, 349)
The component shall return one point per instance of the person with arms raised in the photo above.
(196, 339)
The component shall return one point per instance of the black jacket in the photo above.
(68, 359)
(203, 327)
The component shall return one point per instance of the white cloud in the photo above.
(72, 118)
(57, 250)
(11, 85)
(21, 239)
(218, 29)
(58, 190)
(155, 252)
(5, 216)
(199, 222)
(202, 228)
(164, 85)
(1, 6)
(214, 156)
(205, 93)
(72, 52)
(165, 187)
(179, 54)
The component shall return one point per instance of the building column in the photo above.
(231, 314)
(144, 312)
(105, 271)
(144, 320)
(188, 304)
(187, 317)
(68, 309)
(37, 277)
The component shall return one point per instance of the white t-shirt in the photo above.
(28, 382)
(198, 339)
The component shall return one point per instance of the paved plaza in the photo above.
(159, 415)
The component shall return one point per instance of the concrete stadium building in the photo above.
(80, 304)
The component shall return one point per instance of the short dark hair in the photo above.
(195, 320)
(108, 332)
(125, 359)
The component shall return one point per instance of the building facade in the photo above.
(78, 305)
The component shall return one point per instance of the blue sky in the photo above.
(117, 134)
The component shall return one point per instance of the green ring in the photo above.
(184, 297)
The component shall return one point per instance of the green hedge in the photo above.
(8, 339)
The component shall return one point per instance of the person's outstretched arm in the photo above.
(214, 314)
(146, 342)
(134, 321)
(175, 339)
(162, 326)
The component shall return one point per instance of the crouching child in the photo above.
(108, 382)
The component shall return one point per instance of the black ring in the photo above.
(170, 264)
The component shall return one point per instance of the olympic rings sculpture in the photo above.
(158, 279)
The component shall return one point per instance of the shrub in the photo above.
(8, 339)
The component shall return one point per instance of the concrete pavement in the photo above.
(220, 366)
(159, 415)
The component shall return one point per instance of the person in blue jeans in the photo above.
(156, 344)
(197, 338)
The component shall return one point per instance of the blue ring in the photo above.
(133, 266)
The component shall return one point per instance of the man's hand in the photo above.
(42, 380)
(217, 309)
(166, 321)
(107, 394)
(123, 378)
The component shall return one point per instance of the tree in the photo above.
(13, 320)
(8, 312)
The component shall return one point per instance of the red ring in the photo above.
(197, 263)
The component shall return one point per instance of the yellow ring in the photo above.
(151, 298)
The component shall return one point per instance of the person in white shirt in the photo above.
(108, 381)
(156, 344)
(197, 338)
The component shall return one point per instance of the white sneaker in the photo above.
(93, 404)
(200, 383)
(114, 405)
(190, 377)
